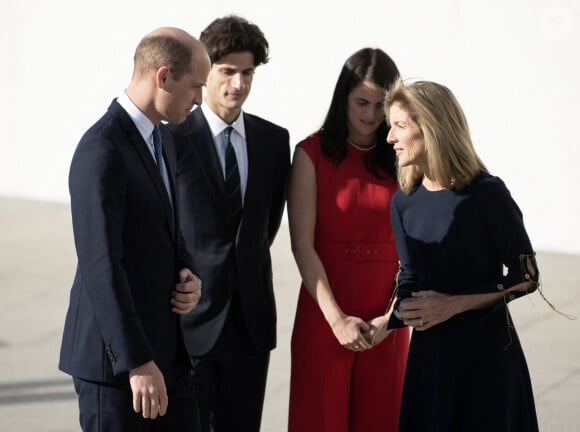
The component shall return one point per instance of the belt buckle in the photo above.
(356, 251)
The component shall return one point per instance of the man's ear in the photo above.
(162, 76)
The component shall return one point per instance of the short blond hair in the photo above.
(158, 50)
(453, 161)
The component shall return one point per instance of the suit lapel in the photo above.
(255, 163)
(204, 148)
(169, 157)
(140, 147)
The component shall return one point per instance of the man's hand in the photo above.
(187, 292)
(149, 391)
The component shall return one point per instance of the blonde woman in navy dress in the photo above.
(456, 227)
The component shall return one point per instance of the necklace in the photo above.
(362, 148)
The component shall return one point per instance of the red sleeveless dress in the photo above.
(333, 389)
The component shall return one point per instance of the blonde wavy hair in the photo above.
(452, 159)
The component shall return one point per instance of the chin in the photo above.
(402, 163)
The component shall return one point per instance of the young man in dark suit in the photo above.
(233, 169)
(122, 341)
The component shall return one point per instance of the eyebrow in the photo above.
(232, 67)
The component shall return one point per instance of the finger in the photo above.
(369, 337)
(364, 344)
(163, 404)
(185, 275)
(185, 288)
(408, 305)
(363, 326)
(182, 310)
(186, 299)
(180, 307)
(136, 402)
(145, 406)
(178, 303)
(154, 408)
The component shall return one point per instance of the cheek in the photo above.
(350, 113)
(210, 87)
(416, 148)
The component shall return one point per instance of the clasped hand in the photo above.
(187, 292)
(425, 309)
(355, 334)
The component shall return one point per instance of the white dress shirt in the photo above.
(145, 128)
(237, 138)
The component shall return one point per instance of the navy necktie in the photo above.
(232, 179)
(157, 149)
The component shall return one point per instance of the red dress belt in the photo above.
(357, 251)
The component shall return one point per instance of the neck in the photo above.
(141, 95)
(226, 114)
(362, 144)
(431, 184)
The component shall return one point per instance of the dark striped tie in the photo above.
(232, 179)
(157, 148)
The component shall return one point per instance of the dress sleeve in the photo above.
(405, 279)
(510, 239)
(313, 148)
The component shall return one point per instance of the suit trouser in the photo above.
(230, 381)
(109, 408)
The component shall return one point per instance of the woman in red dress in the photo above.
(347, 369)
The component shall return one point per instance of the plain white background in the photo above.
(513, 65)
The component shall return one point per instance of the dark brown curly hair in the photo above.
(233, 34)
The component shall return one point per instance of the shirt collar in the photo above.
(143, 124)
(217, 125)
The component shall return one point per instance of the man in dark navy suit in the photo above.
(233, 169)
(122, 341)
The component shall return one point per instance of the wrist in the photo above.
(333, 316)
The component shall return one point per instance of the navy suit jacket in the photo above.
(129, 250)
(228, 259)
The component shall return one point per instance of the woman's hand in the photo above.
(349, 331)
(426, 309)
(377, 331)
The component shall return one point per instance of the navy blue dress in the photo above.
(468, 373)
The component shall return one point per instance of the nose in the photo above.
(197, 96)
(372, 112)
(391, 139)
(236, 81)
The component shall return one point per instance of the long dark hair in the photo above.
(371, 64)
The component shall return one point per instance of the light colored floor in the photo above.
(36, 269)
